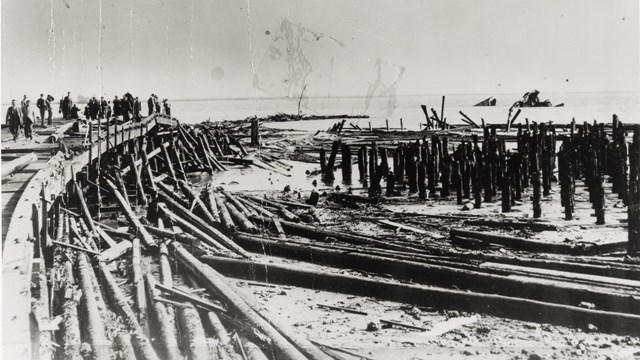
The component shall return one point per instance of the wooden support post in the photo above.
(422, 181)
(346, 164)
(328, 174)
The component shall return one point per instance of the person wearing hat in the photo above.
(14, 120)
(41, 106)
(150, 104)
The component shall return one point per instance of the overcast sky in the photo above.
(208, 48)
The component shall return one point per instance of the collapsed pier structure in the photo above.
(117, 248)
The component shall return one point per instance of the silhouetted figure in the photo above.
(151, 105)
(27, 119)
(48, 106)
(42, 107)
(67, 104)
(14, 116)
(117, 107)
(103, 107)
(167, 107)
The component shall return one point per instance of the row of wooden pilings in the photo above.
(480, 171)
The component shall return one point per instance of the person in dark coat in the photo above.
(73, 112)
(67, 104)
(150, 105)
(42, 107)
(125, 108)
(117, 109)
(94, 108)
(103, 107)
(14, 119)
(167, 107)
(156, 103)
(137, 109)
(48, 105)
(108, 110)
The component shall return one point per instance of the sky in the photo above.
(247, 48)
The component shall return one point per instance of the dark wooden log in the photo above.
(140, 189)
(192, 333)
(138, 283)
(71, 322)
(163, 324)
(196, 222)
(134, 222)
(218, 284)
(187, 226)
(139, 340)
(420, 295)
(240, 218)
(92, 318)
(224, 215)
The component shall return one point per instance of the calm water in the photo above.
(582, 106)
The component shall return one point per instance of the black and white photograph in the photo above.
(320, 179)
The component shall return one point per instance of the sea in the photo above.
(583, 106)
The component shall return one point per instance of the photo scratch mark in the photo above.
(373, 35)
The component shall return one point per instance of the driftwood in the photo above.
(18, 164)
(134, 222)
(115, 252)
(94, 326)
(192, 333)
(162, 323)
(187, 226)
(474, 279)
(420, 295)
(535, 245)
(139, 340)
(216, 283)
(225, 217)
(196, 222)
(136, 273)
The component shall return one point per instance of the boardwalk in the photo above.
(22, 208)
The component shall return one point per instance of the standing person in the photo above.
(23, 103)
(125, 107)
(42, 107)
(108, 110)
(156, 103)
(13, 119)
(67, 104)
(150, 105)
(95, 108)
(137, 109)
(48, 106)
(61, 107)
(103, 107)
(28, 117)
(116, 107)
(167, 107)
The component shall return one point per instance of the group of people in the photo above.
(155, 107)
(24, 117)
(129, 107)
